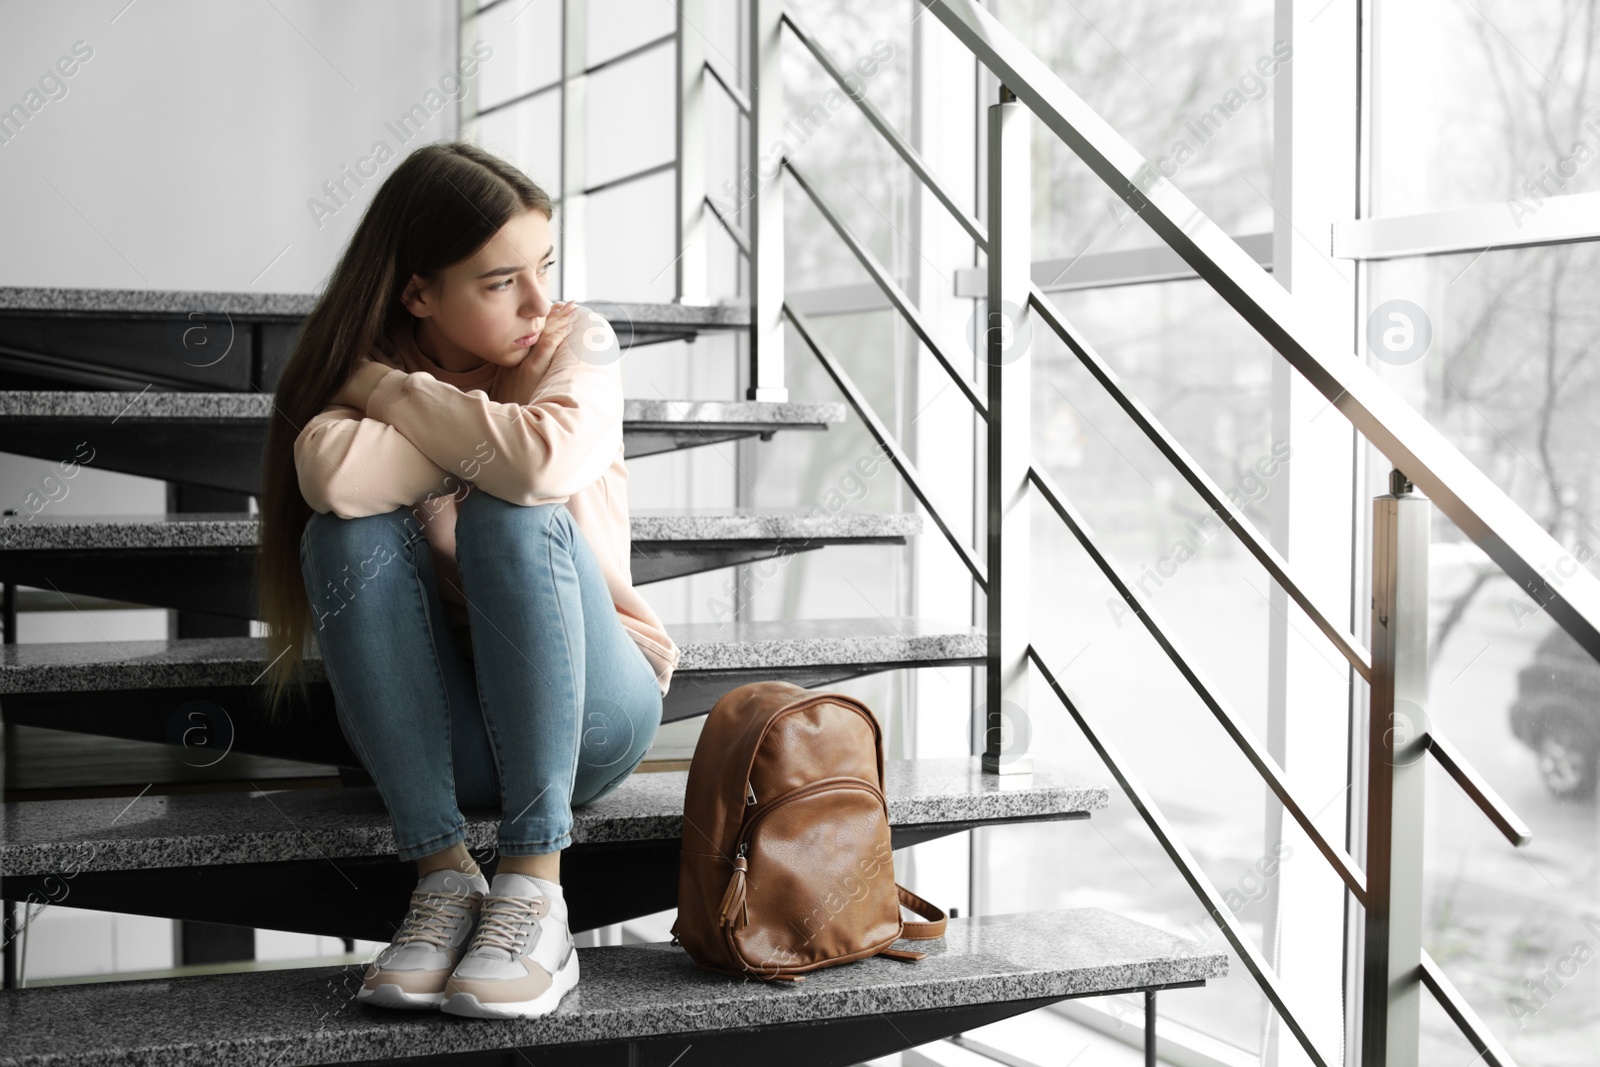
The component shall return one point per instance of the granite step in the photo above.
(217, 439)
(204, 561)
(178, 339)
(253, 859)
(250, 306)
(168, 690)
(192, 830)
(644, 1003)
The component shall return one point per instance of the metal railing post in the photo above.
(1007, 361)
(761, 188)
(692, 283)
(1396, 746)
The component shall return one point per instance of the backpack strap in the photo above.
(916, 931)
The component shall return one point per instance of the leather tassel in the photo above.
(734, 896)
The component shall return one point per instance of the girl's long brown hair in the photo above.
(441, 204)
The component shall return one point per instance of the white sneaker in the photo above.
(522, 959)
(412, 971)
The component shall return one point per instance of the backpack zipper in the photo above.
(839, 781)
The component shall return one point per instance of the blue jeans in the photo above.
(554, 709)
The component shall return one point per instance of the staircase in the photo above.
(253, 854)
(87, 376)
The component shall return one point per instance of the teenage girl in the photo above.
(444, 507)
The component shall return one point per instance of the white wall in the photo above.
(182, 152)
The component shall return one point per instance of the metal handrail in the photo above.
(1510, 537)
(891, 289)
(1507, 534)
(1262, 762)
(1214, 904)
(1251, 749)
(1259, 758)
(1347, 644)
(1471, 783)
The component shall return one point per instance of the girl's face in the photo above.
(490, 307)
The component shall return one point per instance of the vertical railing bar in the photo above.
(1149, 1028)
(1007, 364)
(1396, 779)
(762, 174)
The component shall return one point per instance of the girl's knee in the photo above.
(496, 523)
(327, 532)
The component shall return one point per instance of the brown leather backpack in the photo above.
(786, 864)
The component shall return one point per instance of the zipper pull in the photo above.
(734, 896)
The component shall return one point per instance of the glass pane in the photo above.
(1193, 95)
(1510, 376)
(632, 116)
(528, 134)
(526, 38)
(844, 158)
(1482, 102)
(1497, 349)
(618, 25)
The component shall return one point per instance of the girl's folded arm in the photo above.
(563, 439)
(354, 466)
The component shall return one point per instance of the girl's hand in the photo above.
(524, 378)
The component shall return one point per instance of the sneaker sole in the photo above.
(469, 1005)
(389, 995)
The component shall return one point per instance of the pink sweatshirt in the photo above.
(428, 431)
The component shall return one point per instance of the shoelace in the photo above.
(432, 912)
(501, 922)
